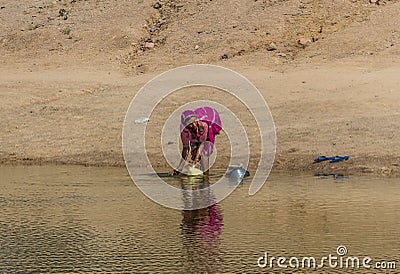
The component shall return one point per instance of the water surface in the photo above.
(76, 219)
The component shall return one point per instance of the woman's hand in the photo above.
(196, 163)
(174, 173)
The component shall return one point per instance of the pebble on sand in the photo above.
(272, 47)
(149, 45)
(226, 56)
(303, 42)
(157, 5)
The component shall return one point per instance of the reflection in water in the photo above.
(201, 230)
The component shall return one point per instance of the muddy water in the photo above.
(76, 219)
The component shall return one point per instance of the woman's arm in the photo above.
(198, 154)
(185, 153)
(205, 161)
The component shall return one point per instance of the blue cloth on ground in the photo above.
(333, 159)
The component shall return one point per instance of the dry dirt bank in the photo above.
(70, 68)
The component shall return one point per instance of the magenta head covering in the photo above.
(186, 116)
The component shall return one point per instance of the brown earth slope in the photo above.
(328, 70)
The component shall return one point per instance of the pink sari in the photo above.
(210, 116)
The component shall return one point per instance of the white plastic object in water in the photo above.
(193, 171)
(238, 173)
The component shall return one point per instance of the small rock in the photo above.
(389, 45)
(157, 5)
(226, 56)
(272, 47)
(303, 42)
(386, 170)
(63, 13)
(149, 45)
(241, 52)
(196, 47)
(281, 54)
(376, 2)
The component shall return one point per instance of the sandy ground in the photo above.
(69, 70)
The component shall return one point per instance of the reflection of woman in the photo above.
(198, 131)
(201, 231)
